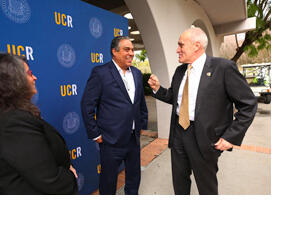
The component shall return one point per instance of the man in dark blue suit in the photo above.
(114, 93)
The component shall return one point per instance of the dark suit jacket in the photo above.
(33, 157)
(106, 92)
(221, 85)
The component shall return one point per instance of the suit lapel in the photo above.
(119, 80)
(136, 81)
(204, 81)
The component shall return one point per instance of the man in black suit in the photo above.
(202, 93)
(115, 90)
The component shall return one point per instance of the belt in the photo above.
(177, 118)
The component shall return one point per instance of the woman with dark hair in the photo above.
(34, 158)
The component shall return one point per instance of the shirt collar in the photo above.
(199, 62)
(119, 68)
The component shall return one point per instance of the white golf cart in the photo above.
(259, 78)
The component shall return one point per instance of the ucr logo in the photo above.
(19, 49)
(66, 55)
(97, 57)
(96, 27)
(69, 90)
(16, 10)
(75, 153)
(65, 20)
(118, 32)
(71, 122)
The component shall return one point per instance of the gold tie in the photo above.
(183, 111)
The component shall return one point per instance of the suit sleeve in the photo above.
(27, 151)
(164, 94)
(245, 102)
(90, 101)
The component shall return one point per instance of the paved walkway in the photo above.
(246, 170)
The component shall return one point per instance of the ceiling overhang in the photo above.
(227, 16)
(235, 27)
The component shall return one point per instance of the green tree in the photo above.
(141, 56)
(259, 38)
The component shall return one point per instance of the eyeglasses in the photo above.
(29, 72)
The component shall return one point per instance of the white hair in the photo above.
(198, 35)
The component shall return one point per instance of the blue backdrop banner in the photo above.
(62, 40)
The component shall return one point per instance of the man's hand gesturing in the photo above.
(154, 82)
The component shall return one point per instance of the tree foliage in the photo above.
(259, 38)
(141, 56)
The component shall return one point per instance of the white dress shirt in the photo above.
(128, 80)
(193, 79)
(129, 83)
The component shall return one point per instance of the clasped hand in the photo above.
(100, 139)
(222, 145)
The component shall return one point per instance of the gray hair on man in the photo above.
(115, 44)
(198, 35)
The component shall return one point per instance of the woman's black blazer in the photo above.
(34, 158)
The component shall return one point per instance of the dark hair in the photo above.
(116, 43)
(15, 92)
